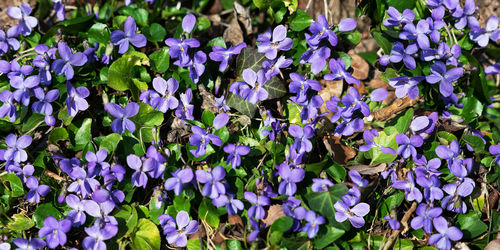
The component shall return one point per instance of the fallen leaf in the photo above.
(273, 213)
(235, 220)
(341, 153)
(367, 169)
(329, 89)
(392, 110)
(360, 66)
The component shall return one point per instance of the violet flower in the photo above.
(31, 244)
(252, 89)
(13, 69)
(406, 86)
(347, 24)
(301, 86)
(15, 148)
(26, 22)
(446, 78)
(200, 139)
(213, 186)
(339, 72)
(465, 16)
(482, 36)
(122, 123)
(9, 106)
(59, 9)
(184, 227)
(8, 40)
(408, 185)
(272, 67)
(289, 179)
(223, 55)
(399, 53)
(179, 179)
(445, 234)
(166, 90)
(357, 179)
(232, 205)
(179, 47)
(258, 201)
(55, 231)
(301, 135)
(393, 223)
(313, 223)
(129, 35)
(353, 214)
(77, 214)
(36, 190)
(495, 150)
(279, 41)
(68, 59)
(196, 66)
(139, 178)
(155, 161)
(425, 216)
(492, 69)
(76, 99)
(185, 109)
(23, 87)
(97, 234)
(353, 103)
(235, 152)
(43, 105)
(419, 33)
(407, 146)
(321, 185)
(221, 104)
(396, 18)
(310, 108)
(317, 56)
(320, 29)
(96, 162)
(431, 185)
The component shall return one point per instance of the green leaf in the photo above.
(238, 103)
(127, 219)
(33, 121)
(202, 24)
(181, 202)
(147, 236)
(99, 33)
(208, 117)
(120, 72)
(392, 201)
(275, 88)
(337, 172)
(475, 142)
(140, 15)
(382, 41)
(322, 202)
(472, 108)
(234, 245)
(148, 116)
(471, 225)
(82, 135)
(110, 142)
(354, 37)
(58, 134)
(300, 21)
(227, 5)
(20, 223)
(195, 244)
(278, 228)
(223, 134)
(387, 141)
(326, 236)
(43, 211)
(218, 41)
(16, 185)
(249, 58)
(404, 121)
(160, 60)
(155, 32)
(446, 137)
(208, 212)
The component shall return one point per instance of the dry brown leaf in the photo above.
(329, 89)
(392, 110)
(235, 220)
(391, 97)
(340, 152)
(367, 169)
(361, 88)
(360, 66)
(377, 83)
(208, 99)
(233, 33)
(273, 213)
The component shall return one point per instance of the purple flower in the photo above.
(122, 38)
(349, 126)
(9, 107)
(495, 150)
(26, 22)
(396, 18)
(68, 59)
(320, 30)
(338, 72)
(301, 135)
(440, 74)
(399, 53)
(201, 139)
(257, 211)
(252, 89)
(445, 234)
(279, 41)
(166, 90)
(443, 52)
(289, 179)
(76, 99)
(97, 234)
(139, 178)
(352, 102)
(221, 104)
(257, 228)
(493, 69)
(482, 36)
(466, 16)
(357, 179)
(184, 227)
(431, 185)
(9, 40)
(59, 9)
(15, 148)
(347, 24)
(179, 179)
(427, 168)
(378, 95)
(425, 215)
(235, 152)
(313, 223)
(213, 186)
(55, 231)
(77, 215)
(122, 123)
(31, 244)
(301, 86)
(407, 146)
(436, 23)
(317, 56)
(321, 185)
(310, 108)
(43, 105)
(393, 223)
(408, 185)
(96, 162)
(23, 87)
(406, 86)
(155, 161)
(196, 66)
(36, 191)
(419, 33)
(223, 55)
(448, 152)
(228, 200)
(354, 215)
(272, 67)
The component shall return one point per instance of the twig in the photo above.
(308, 5)
(404, 222)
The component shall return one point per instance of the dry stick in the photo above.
(404, 222)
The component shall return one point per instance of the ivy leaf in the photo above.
(275, 88)
(475, 142)
(300, 21)
(322, 202)
(278, 228)
(249, 58)
(238, 103)
(147, 236)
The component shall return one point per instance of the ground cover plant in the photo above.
(155, 124)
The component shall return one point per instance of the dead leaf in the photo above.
(208, 99)
(235, 220)
(377, 83)
(396, 107)
(367, 169)
(360, 66)
(341, 153)
(329, 89)
(361, 88)
(244, 17)
(233, 33)
(273, 213)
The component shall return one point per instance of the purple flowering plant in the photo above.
(261, 127)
